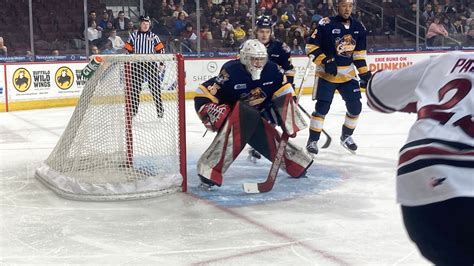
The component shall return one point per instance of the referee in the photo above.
(145, 42)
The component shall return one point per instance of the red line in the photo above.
(182, 121)
(6, 87)
(272, 231)
(251, 252)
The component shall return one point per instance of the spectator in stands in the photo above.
(230, 27)
(105, 18)
(3, 48)
(109, 49)
(470, 34)
(94, 50)
(235, 10)
(215, 23)
(106, 31)
(239, 33)
(179, 10)
(121, 22)
(436, 33)
(111, 15)
(446, 22)
(205, 33)
(322, 10)
(117, 42)
(428, 13)
(55, 52)
(457, 27)
(189, 37)
(290, 12)
(250, 34)
(275, 17)
(297, 41)
(93, 34)
(266, 4)
(93, 16)
(29, 53)
(179, 24)
(449, 8)
(230, 41)
(280, 33)
(131, 27)
(222, 31)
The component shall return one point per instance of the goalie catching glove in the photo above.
(213, 115)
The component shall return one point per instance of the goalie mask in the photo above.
(253, 55)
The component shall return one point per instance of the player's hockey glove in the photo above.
(364, 79)
(213, 115)
(330, 65)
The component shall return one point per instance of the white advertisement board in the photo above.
(2, 84)
(44, 81)
(39, 81)
(200, 70)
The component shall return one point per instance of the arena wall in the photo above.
(44, 88)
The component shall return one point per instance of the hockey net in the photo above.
(126, 137)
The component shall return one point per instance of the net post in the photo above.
(182, 120)
(128, 116)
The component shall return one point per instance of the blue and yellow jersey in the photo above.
(280, 53)
(234, 83)
(347, 44)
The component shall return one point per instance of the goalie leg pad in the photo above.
(229, 142)
(265, 140)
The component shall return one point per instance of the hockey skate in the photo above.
(312, 147)
(348, 143)
(206, 184)
(254, 155)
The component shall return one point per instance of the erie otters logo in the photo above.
(64, 78)
(345, 46)
(21, 79)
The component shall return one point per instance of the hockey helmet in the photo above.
(144, 18)
(253, 55)
(263, 22)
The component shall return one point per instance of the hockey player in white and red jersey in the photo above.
(435, 177)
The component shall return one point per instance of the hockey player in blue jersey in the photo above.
(278, 52)
(338, 44)
(231, 105)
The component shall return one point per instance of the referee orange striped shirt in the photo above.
(144, 43)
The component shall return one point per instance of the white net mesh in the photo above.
(125, 138)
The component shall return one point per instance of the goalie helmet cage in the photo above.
(126, 137)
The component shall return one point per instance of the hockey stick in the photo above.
(328, 138)
(271, 178)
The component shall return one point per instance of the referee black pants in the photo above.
(443, 231)
(141, 72)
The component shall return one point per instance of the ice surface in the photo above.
(344, 213)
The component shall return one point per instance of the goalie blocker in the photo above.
(249, 87)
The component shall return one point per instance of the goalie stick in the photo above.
(267, 185)
(328, 138)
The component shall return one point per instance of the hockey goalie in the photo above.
(244, 104)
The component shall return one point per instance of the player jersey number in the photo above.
(433, 111)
